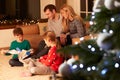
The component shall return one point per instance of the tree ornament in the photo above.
(71, 61)
(65, 70)
(100, 41)
(104, 72)
(109, 4)
(97, 5)
(118, 54)
(117, 3)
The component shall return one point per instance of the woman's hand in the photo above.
(63, 39)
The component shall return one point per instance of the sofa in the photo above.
(33, 33)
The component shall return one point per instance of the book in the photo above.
(13, 51)
(26, 54)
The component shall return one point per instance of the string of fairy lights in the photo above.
(18, 21)
(91, 48)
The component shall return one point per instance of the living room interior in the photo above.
(29, 15)
(97, 54)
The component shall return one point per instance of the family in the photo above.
(62, 27)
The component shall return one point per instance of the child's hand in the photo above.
(31, 51)
(3, 51)
(63, 39)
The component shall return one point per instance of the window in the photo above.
(86, 7)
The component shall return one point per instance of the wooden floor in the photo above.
(13, 73)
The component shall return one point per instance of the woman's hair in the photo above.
(68, 9)
(18, 31)
(50, 35)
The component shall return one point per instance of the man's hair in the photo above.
(18, 31)
(51, 7)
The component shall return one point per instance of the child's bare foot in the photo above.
(26, 74)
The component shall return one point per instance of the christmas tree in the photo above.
(99, 58)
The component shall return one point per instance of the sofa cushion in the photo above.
(29, 29)
(42, 27)
(34, 40)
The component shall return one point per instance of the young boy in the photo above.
(20, 44)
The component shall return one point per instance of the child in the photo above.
(20, 44)
(49, 63)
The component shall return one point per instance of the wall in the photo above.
(10, 7)
(75, 4)
(2, 6)
(6, 37)
(43, 3)
(33, 9)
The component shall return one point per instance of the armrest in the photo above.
(78, 40)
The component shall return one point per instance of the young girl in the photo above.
(49, 63)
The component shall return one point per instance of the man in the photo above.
(54, 24)
(54, 19)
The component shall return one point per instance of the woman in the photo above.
(72, 22)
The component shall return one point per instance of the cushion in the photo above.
(42, 27)
(33, 39)
(29, 29)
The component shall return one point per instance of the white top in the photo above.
(55, 25)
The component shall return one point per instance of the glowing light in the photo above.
(104, 71)
(93, 17)
(101, 49)
(91, 22)
(112, 19)
(81, 65)
(93, 49)
(93, 13)
(104, 30)
(88, 69)
(74, 66)
(91, 36)
(105, 54)
(89, 46)
(93, 67)
(111, 31)
(82, 38)
(116, 65)
(76, 42)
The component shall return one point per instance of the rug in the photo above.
(13, 73)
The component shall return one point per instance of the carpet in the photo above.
(13, 73)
